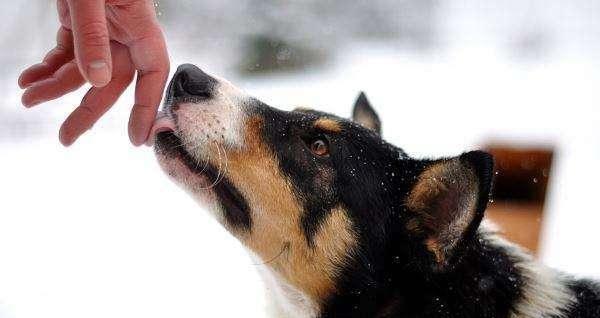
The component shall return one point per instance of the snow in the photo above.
(97, 230)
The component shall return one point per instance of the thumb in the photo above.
(90, 35)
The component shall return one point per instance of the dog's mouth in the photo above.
(170, 149)
(169, 145)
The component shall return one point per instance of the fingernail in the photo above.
(98, 73)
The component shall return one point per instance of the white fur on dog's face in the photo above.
(216, 121)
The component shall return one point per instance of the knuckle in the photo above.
(87, 111)
(162, 69)
(60, 50)
(142, 107)
(93, 34)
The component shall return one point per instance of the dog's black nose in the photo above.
(191, 81)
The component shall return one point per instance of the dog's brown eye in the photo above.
(319, 147)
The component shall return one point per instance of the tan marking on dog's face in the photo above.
(276, 213)
(328, 125)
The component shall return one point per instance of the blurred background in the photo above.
(97, 230)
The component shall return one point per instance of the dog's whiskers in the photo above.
(226, 165)
(219, 170)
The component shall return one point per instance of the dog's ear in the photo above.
(365, 115)
(448, 201)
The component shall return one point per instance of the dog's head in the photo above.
(323, 201)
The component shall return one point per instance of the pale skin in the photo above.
(104, 43)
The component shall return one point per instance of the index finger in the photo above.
(149, 87)
(90, 34)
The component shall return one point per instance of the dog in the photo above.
(345, 223)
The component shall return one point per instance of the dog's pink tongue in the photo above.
(162, 123)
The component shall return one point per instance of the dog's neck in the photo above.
(494, 279)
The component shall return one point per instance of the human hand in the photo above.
(103, 42)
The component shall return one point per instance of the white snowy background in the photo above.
(96, 230)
